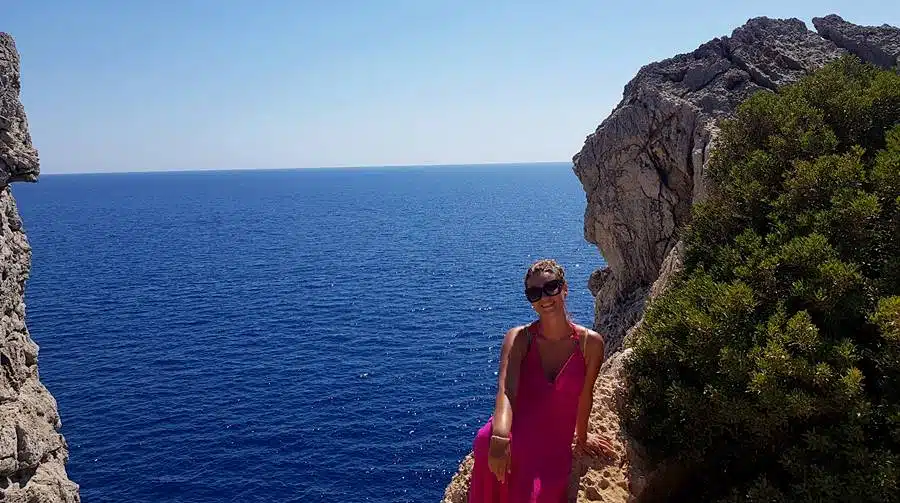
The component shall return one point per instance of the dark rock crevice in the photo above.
(753, 73)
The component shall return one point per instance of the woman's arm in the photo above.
(507, 386)
(508, 380)
(593, 352)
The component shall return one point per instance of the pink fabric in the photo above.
(543, 427)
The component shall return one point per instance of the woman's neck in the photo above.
(556, 327)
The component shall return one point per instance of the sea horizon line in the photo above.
(313, 168)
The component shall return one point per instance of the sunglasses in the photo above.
(550, 288)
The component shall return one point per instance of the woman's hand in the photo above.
(594, 445)
(498, 457)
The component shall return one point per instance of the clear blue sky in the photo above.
(135, 85)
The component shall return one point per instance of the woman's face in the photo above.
(552, 298)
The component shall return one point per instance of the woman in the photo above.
(544, 397)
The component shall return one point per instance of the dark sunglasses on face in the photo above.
(550, 288)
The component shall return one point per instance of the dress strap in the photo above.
(529, 340)
(529, 336)
(580, 342)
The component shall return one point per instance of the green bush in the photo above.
(770, 370)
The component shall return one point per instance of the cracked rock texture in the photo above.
(879, 45)
(641, 171)
(33, 453)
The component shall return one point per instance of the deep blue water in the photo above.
(298, 335)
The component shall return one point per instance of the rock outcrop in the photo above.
(643, 167)
(641, 171)
(33, 453)
(879, 45)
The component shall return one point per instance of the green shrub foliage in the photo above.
(770, 370)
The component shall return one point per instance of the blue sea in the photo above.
(310, 335)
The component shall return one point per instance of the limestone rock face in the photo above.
(458, 488)
(18, 158)
(605, 479)
(33, 453)
(642, 168)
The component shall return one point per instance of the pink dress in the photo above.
(543, 427)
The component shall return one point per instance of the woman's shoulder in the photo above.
(584, 331)
(591, 339)
(516, 337)
(517, 332)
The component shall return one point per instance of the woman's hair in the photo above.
(546, 265)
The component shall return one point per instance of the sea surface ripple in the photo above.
(297, 335)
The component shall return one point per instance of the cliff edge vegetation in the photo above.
(769, 369)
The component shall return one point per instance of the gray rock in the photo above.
(878, 44)
(643, 167)
(33, 453)
(18, 158)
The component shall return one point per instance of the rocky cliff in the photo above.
(643, 166)
(641, 171)
(33, 453)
